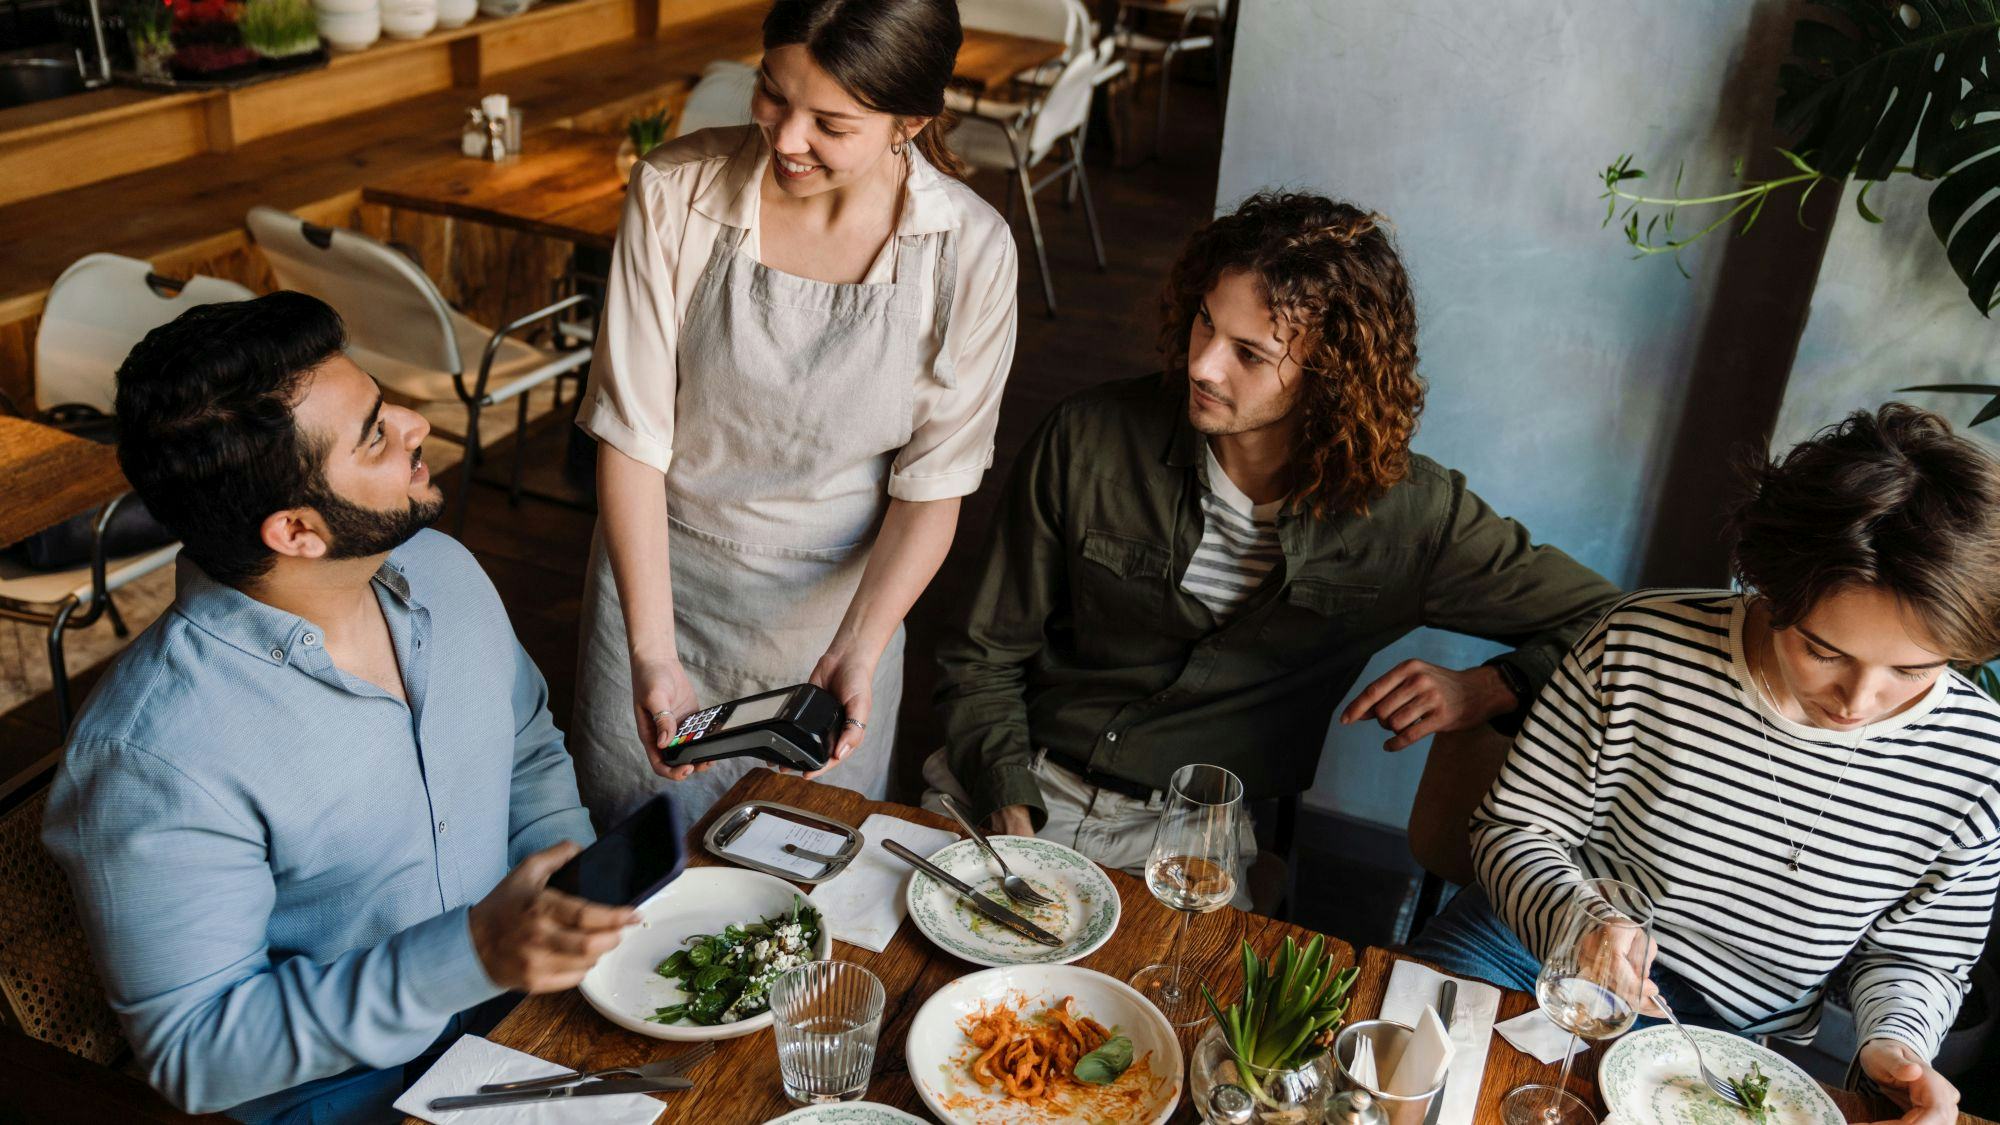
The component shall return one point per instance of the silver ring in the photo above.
(657, 714)
(856, 722)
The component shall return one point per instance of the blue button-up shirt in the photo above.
(274, 859)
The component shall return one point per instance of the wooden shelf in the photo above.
(88, 138)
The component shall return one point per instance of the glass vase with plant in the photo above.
(1273, 1041)
(149, 28)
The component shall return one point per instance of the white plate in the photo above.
(623, 986)
(848, 1113)
(938, 1052)
(1085, 913)
(1650, 1078)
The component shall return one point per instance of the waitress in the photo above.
(807, 331)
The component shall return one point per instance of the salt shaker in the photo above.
(472, 142)
(495, 108)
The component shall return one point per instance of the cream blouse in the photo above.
(682, 195)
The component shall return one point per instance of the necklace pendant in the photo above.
(1793, 863)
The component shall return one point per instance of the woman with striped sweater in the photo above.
(1794, 773)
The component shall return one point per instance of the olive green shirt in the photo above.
(1079, 638)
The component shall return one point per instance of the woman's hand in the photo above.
(1909, 1081)
(851, 679)
(661, 697)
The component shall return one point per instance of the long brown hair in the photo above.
(1329, 271)
(1891, 499)
(893, 56)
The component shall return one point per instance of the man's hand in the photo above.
(1416, 699)
(532, 939)
(1910, 1082)
(1011, 821)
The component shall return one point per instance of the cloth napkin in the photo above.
(1412, 989)
(1539, 1036)
(864, 904)
(473, 1062)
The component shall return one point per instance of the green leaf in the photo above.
(673, 966)
(1103, 1066)
(700, 955)
(1861, 202)
(710, 977)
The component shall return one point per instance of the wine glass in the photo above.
(1191, 870)
(1591, 985)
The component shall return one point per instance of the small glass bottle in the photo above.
(496, 138)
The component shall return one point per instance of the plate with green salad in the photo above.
(700, 963)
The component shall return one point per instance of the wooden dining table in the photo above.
(564, 183)
(740, 1083)
(48, 476)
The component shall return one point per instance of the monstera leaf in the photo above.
(1917, 80)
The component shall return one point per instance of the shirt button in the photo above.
(441, 827)
(310, 639)
(1111, 736)
(278, 654)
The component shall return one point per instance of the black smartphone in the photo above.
(627, 864)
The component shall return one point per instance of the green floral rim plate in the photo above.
(847, 1113)
(1084, 915)
(1650, 1078)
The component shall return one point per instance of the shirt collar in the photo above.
(258, 628)
(732, 198)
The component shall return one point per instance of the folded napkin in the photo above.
(1362, 1065)
(1539, 1036)
(473, 1062)
(1412, 990)
(864, 904)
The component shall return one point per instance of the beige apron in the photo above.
(794, 398)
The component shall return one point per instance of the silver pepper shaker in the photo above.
(1355, 1107)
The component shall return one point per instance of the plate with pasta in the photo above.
(1041, 1044)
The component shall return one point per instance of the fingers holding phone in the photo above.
(530, 938)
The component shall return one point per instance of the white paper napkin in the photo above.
(1362, 1065)
(864, 904)
(473, 1062)
(1539, 1036)
(1413, 988)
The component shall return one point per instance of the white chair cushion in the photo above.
(47, 589)
(519, 366)
(983, 144)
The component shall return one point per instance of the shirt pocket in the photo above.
(1315, 615)
(1123, 578)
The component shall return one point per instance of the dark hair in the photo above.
(1328, 270)
(205, 427)
(1893, 500)
(893, 56)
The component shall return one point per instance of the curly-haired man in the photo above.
(1195, 566)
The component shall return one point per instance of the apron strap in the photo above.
(729, 238)
(945, 281)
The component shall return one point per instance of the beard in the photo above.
(357, 532)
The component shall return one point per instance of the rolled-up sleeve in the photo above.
(951, 442)
(176, 892)
(633, 374)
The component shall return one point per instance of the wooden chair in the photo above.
(49, 987)
(1460, 769)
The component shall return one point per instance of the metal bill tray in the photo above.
(731, 824)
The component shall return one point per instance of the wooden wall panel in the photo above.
(50, 161)
(511, 47)
(353, 85)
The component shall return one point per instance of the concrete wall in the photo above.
(1888, 312)
(1559, 368)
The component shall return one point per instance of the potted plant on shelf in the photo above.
(207, 43)
(643, 134)
(1272, 1042)
(279, 30)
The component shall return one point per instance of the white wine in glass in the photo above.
(1191, 870)
(1591, 985)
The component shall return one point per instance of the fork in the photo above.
(1723, 1089)
(665, 1068)
(1016, 887)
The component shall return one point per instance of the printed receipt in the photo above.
(765, 837)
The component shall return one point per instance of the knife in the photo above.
(972, 898)
(582, 1090)
(1447, 1000)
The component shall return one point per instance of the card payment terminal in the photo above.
(795, 727)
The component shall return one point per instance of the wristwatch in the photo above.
(1514, 678)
